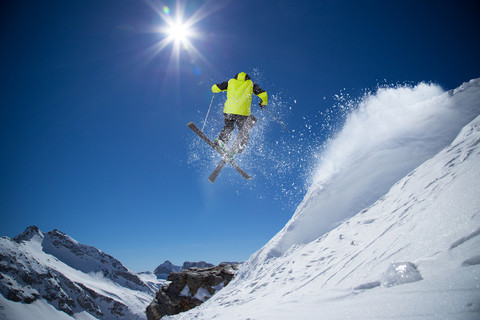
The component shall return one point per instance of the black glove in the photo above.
(261, 105)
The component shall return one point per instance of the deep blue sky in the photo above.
(93, 129)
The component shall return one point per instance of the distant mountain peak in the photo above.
(199, 264)
(163, 270)
(57, 232)
(29, 234)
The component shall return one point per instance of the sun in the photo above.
(175, 29)
(179, 32)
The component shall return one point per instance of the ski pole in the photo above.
(204, 122)
(263, 107)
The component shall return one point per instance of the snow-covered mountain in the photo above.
(52, 276)
(390, 227)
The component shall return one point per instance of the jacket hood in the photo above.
(242, 76)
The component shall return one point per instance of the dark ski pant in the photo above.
(230, 121)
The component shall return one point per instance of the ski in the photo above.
(214, 175)
(228, 157)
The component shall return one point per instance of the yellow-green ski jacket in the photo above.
(239, 94)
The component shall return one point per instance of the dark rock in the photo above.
(28, 234)
(14, 295)
(189, 288)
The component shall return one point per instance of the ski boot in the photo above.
(221, 144)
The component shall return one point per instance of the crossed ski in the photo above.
(227, 157)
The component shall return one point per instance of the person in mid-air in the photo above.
(238, 107)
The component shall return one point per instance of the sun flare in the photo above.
(179, 32)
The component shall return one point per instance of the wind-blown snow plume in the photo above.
(389, 134)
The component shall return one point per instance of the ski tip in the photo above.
(190, 124)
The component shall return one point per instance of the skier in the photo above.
(238, 108)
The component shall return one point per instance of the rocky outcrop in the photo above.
(189, 288)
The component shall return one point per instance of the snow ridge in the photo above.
(387, 136)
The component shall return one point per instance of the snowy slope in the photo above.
(52, 276)
(366, 243)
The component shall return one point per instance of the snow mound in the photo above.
(401, 273)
